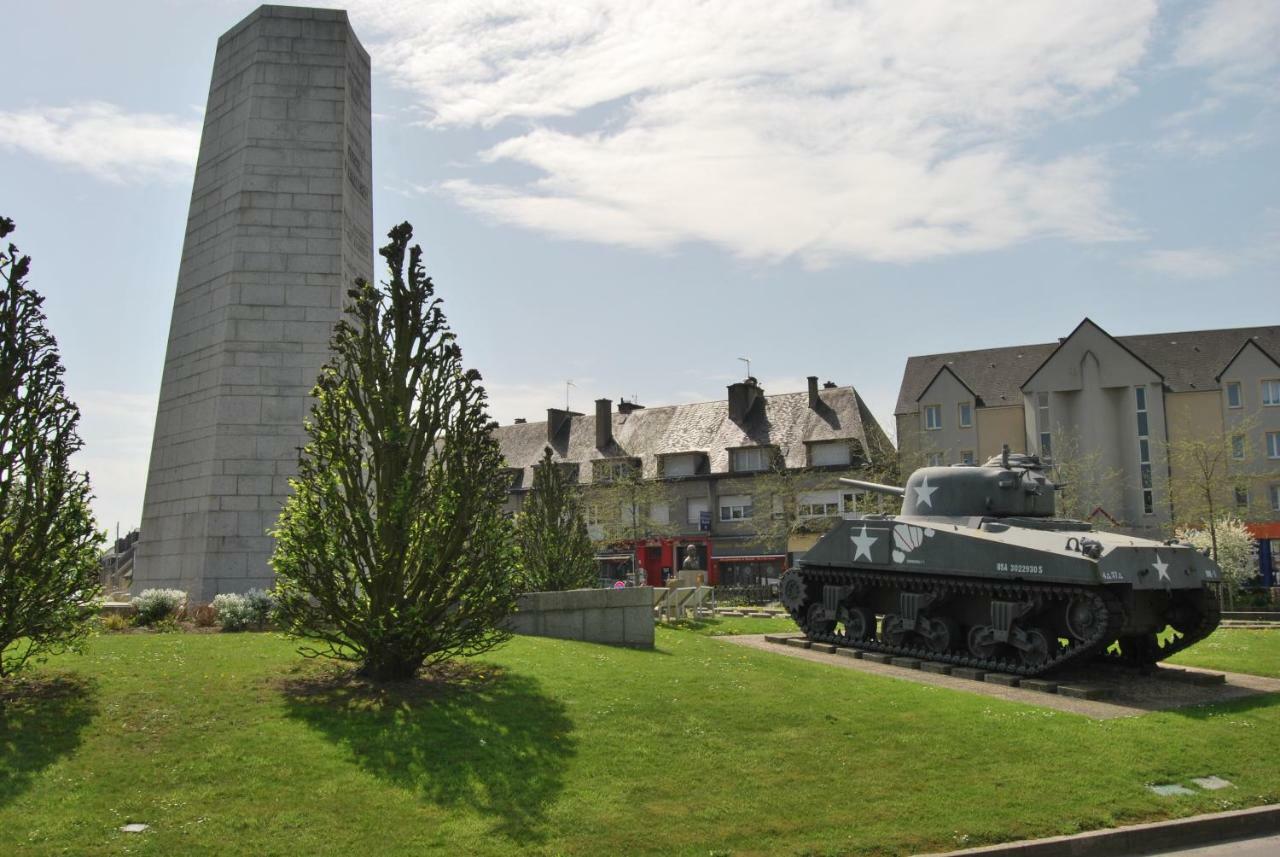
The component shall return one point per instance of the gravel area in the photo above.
(1130, 692)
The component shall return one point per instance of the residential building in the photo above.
(1128, 405)
(704, 467)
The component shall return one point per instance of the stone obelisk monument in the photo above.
(279, 226)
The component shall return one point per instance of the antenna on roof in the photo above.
(567, 384)
(747, 360)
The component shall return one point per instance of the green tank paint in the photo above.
(976, 570)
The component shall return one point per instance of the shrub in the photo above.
(156, 605)
(114, 622)
(204, 616)
(238, 612)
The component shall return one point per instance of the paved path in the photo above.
(1268, 846)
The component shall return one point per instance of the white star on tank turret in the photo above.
(862, 544)
(1162, 568)
(924, 494)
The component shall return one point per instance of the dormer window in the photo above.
(750, 458)
(834, 453)
(683, 464)
(614, 469)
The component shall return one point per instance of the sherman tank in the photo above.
(977, 571)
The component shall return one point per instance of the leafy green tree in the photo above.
(625, 507)
(556, 552)
(48, 543)
(393, 551)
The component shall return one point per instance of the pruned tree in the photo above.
(393, 551)
(48, 542)
(555, 550)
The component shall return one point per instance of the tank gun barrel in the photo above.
(874, 486)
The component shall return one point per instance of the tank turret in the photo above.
(976, 570)
(1007, 486)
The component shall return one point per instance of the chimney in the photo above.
(520, 421)
(742, 398)
(604, 423)
(829, 385)
(557, 422)
(814, 401)
(625, 407)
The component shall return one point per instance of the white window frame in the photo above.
(760, 454)
(1146, 480)
(1273, 444)
(1275, 498)
(934, 459)
(736, 507)
(932, 417)
(961, 408)
(1271, 392)
(1234, 386)
(818, 504)
(1237, 447)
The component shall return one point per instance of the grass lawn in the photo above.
(1236, 650)
(721, 626)
(225, 745)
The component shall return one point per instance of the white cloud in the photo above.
(885, 130)
(105, 141)
(1235, 39)
(1192, 264)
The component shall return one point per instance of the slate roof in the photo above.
(785, 421)
(1187, 360)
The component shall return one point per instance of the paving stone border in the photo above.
(1177, 834)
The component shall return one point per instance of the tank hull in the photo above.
(1023, 597)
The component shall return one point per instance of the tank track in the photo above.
(1145, 650)
(1077, 652)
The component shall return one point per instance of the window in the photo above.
(591, 514)
(1275, 498)
(1144, 452)
(966, 414)
(1233, 395)
(697, 506)
(660, 513)
(1046, 444)
(616, 468)
(1242, 498)
(1042, 419)
(750, 458)
(680, 465)
(934, 459)
(1237, 446)
(1273, 444)
(966, 456)
(826, 454)
(735, 508)
(1271, 392)
(932, 417)
(822, 504)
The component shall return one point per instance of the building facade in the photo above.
(1137, 421)
(747, 482)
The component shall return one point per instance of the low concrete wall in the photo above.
(622, 617)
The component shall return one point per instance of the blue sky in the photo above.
(634, 195)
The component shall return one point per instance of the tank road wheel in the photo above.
(892, 631)
(982, 643)
(818, 621)
(1037, 651)
(943, 635)
(1083, 617)
(792, 592)
(859, 623)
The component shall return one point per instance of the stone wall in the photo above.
(622, 617)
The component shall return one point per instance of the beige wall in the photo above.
(951, 440)
(998, 426)
(1250, 368)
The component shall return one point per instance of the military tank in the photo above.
(976, 571)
